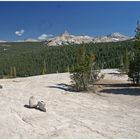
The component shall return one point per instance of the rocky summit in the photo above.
(66, 39)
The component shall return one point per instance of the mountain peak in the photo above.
(117, 35)
(65, 33)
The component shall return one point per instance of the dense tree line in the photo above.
(28, 59)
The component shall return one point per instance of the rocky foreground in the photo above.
(112, 112)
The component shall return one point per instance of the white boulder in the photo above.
(32, 102)
(41, 105)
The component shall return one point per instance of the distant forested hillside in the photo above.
(34, 58)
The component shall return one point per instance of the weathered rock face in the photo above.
(32, 101)
(41, 105)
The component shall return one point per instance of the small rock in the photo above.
(41, 105)
(32, 101)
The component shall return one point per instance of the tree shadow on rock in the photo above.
(64, 87)
(115, 85)
(124, 91)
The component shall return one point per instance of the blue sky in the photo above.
(32, 19)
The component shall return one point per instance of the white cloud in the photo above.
(31, 40)
(44, 36)
(20, 32)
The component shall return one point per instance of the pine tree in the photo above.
(124, 62)
(84, 73)
(11, 72)
(78, 74)
(137, 36)
(14, 72)
(44, 71)
(134, 68)
(121, 64)
(68, 69)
